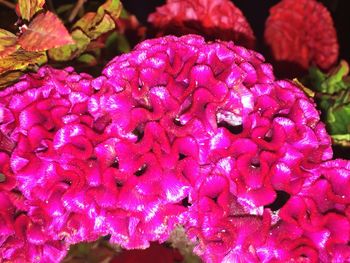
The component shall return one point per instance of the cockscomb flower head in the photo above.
(218, 19)
(178, 132)
(302, 32)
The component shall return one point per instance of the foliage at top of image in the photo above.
(48, 36)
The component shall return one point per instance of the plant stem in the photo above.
(75, 10)
(8, 4)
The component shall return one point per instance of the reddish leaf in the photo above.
(28, 8)
(21, 59)
(302, 32)
(88, 28)
(7, 43)
(68, 52)
(46, 31)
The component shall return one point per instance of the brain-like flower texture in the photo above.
(213, 19)
(302, 32)
(178, 132)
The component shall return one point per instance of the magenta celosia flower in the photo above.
(176, 132)
(218, 19)
(314, 224)
(295, 34)
(23, 239)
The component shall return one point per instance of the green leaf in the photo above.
(94, 25)
(21, 59)
(8, 43)
(46, 31)
(113, 8)
(333, 98)
(28, 8)
(87, 59)
(338, 119)
(341, 139)
(88, 28)
(332, 82)
(69, 52)
(324, 102)
(316, 78)
(335, 82)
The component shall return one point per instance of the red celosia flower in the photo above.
(302, 32)
(156, 253)
(218, 19)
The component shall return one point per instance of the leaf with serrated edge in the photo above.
(46, 31)
(88, 21)
(28, 8)
(89, 27)
(106, 25)
(8, 43)
(338, 119)
(113, 7)
(21, 59)
(68, 52)
(334, 82)
(94, 25)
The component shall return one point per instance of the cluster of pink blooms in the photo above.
(176, 132)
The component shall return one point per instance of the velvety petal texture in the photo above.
(213, 19)
(177, 132)
(295, 34)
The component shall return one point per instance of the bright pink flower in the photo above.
(24, 239)
(176, 132)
